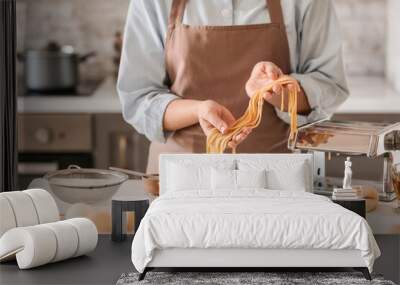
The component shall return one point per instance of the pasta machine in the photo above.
(351, 138)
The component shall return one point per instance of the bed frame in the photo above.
(245, 259)
(259, 259)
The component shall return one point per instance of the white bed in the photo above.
(204, 219)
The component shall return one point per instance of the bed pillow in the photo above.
(226, 179)
(186, 175)
(223, 179)
(293, 178)
(181, 177)
(251, 178)
(291, 175)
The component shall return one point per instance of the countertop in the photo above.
(103, 100)
(385, 219)
(368, 95)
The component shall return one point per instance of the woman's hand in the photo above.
(266, 72)
(213, 115)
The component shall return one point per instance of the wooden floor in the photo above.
(111, 259)
(103, 266)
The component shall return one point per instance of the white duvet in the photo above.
(250, 219)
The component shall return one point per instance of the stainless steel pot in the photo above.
(54, 68)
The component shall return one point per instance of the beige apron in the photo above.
(214, 62)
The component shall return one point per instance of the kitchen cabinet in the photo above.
(118, 144)
(52, 141)
(48, 142)
(54, 133)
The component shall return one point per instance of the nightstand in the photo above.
(356, 206)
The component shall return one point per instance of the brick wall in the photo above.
(393, 46)
(91, 25)
(363, 25)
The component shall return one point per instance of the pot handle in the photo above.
(85, 57)
(130, 172)
(73, 166)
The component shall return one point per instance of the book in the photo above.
(345, 198)
(345, 194)
(341, 190)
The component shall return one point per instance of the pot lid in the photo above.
(54, 46)
(76, 177)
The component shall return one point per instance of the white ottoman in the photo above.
(31, 233)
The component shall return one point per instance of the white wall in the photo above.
(393, 44)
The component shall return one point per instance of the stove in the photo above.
(85, 88)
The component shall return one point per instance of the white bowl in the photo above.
(83, 195)
(79, 185)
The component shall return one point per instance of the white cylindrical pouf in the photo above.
(23, 208)
(45, 205)
(67, 239)
(87, 234)
(7, 218)
(36, 245)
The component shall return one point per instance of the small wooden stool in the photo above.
(131, 199)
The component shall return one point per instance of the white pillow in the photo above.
(186, 175)
(225, 179)
(181, 177)
(251, 178)
(291, 175)
(294, 178)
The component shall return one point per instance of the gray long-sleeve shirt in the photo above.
(314, 42)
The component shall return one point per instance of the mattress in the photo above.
(250, 219)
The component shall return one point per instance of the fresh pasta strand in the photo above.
(218, 142)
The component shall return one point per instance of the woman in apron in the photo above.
(210, 71)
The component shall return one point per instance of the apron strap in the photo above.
(276, 15)
(275, 11)
(176, 14)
